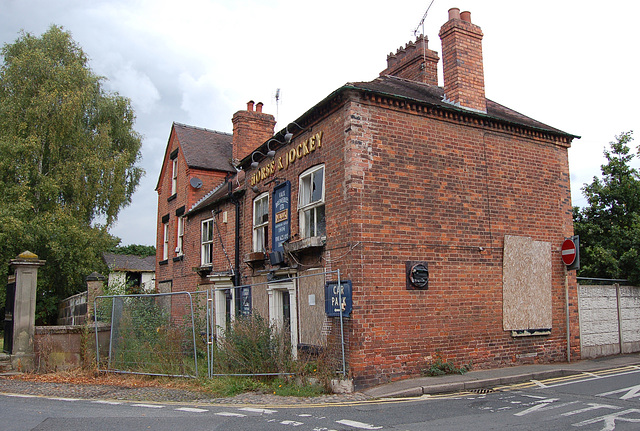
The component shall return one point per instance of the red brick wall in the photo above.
(180, 270)
(437, 191)
(414, 62)
(405, 184)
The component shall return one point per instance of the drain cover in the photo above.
(481, 391)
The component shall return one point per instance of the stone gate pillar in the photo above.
(25, 268)
(95, 288)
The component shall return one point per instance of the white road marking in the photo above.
(359, 425)
(149, 406)
(254, 410)
(540, 384)
(610, 420)
(230, 414)
(65, 399)
(191, 410)
(111, 403)
(544, 405)
(573, 382)
(20, 396)
(292, 423)
(593, 406)
(631, 392)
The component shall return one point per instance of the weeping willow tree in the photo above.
(68, 162)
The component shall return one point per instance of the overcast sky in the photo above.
(570, 64)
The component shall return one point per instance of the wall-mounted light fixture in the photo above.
(255, 164)
(271, 153)
(288, 136)
(276, 180)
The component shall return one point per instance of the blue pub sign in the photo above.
(281, 206)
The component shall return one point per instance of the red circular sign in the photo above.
(568, 252)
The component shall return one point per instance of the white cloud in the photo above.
(199, 61)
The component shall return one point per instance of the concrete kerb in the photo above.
(490, 379)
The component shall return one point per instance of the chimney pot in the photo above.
(454, 13)
(463, 72)
(250, 130)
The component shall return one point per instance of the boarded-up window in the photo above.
(526, 285)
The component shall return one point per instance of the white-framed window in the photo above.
(180, 237)
(206, 253)
(165, 241)
(311, 203)
(260, 222)
(174, 176)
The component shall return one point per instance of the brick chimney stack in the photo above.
(415, 62)
(250, 130)
(463, 72)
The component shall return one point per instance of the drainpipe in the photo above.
(236, 278)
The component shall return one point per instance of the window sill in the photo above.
(163, 262)
(178, 258)
(255, 256)
(172, 197)
(305, 243)
(530, 332)
(203, 270)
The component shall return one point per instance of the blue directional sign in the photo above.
(336, 298)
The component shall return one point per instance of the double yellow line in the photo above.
(570, 378)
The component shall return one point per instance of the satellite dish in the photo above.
(195, 182)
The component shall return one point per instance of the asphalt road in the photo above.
(607, 400)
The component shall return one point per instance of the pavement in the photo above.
(489, 379)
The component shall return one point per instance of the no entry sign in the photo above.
(568, 252)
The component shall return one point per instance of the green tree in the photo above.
(609, 226)
(68, 165)
(135, 250)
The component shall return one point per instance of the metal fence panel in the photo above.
(286, 331)
(146, 337)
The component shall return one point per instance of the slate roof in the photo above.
(127, 262)
(434, 95)
(204, 148)
(212, 196)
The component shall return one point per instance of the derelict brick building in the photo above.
(444, 209)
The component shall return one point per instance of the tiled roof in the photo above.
(433, 95)
(210, 197)
(204, 148)
(127, 262)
